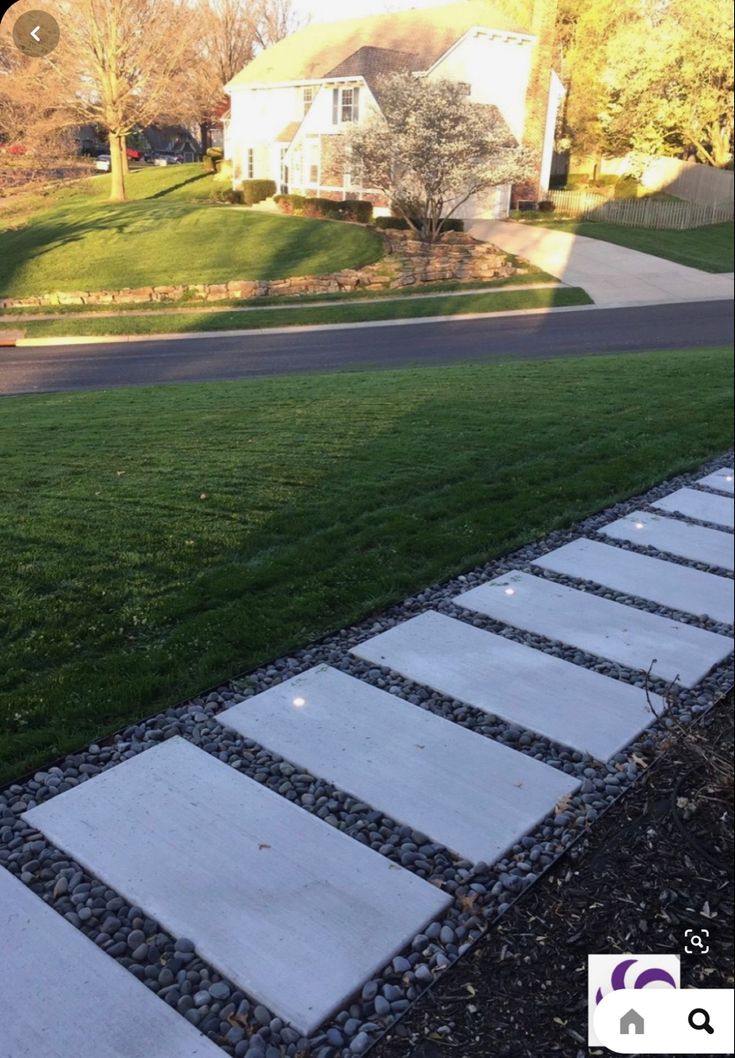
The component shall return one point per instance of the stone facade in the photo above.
(407, 262)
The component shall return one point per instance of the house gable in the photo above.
(496, 66)
(427, 34)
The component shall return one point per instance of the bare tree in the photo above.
(273, 20)
(120, 64)
(230, 33)
(430, 149)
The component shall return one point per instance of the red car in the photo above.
(133, 155)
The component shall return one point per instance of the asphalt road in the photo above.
(532, 337)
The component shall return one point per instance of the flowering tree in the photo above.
(430, 149)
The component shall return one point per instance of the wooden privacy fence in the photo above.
(640, 212)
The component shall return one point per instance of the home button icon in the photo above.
(631, 1022)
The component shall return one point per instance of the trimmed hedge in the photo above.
(350, 209)
(227, 194)
(401, 224)
(257, 191)
(354, 209)
(290, 203)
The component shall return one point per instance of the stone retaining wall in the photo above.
(407, 262)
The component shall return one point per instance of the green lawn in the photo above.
(351, 312)
(709, 248)
(155, 541)
(168, 233)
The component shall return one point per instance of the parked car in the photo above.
(161, 158)
(103, 163)
(133, 154)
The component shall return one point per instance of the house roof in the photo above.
(287, 134)
(316, 52)
(373, 63)
(370, 62)
(169, 137)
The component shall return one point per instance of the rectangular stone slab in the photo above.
(694, 542)
(678, 587)
(564, 702)
(291, 910)
(599, 626)
(700, 505)
(721, 479)
(473, 795)
(64, 998)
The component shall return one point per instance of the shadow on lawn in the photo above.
(175, 187)
(162, 236)
(307, 504)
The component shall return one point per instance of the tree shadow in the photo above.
(258, 247)
(175, 187)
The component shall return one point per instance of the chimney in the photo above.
(543, 27)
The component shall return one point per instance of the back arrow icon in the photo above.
(34, 34)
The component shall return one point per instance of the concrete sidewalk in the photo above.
(611, 275)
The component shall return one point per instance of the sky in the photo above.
(333, 10)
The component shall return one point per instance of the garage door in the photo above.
(487, 205)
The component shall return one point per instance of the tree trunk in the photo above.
(118, 167)
(204, 136)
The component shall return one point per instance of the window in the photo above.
(308, 95)
(312, 159)
(345, 105)
(251, 163)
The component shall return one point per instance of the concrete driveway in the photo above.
(611, 275)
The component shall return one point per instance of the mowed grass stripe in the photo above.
(155, 541)
(169, 233)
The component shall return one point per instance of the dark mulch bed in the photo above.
(661, 860)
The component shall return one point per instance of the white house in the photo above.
(293, 99)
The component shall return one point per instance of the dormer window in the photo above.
(308, 98)
(345, 105)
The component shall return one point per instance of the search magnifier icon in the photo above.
(699, 1019)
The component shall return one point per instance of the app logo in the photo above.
(612, 973)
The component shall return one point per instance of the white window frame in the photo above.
(307, 96)
(340, 107)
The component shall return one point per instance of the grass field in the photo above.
(155, 541)
(709, 248)
(168, 233)
(351, 312)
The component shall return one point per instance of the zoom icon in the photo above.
(696, 941)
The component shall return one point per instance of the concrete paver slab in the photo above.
(64, 998)
(473, 795)
(703, 506)
(564, 702)
(294, 912)
(667, 583)
(631, 637)
(694, 542)
(721, 479)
